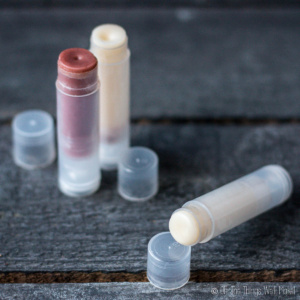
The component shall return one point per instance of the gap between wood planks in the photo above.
(217, 121)
(196, 276)
(203, 121)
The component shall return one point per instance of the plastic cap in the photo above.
(33, 139)
(168, 265)
(138, 174)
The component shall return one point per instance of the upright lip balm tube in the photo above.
(77, 89)
(206, 217)
(109, 45)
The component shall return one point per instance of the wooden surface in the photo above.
(43, 230)
(186, 64)
(214, 93)
(130, 291)
(21, 4)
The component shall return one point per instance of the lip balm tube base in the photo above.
(110, 152)
(78, 178)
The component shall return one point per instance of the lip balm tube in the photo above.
(77, 89)
(109, 45)
(208, 216)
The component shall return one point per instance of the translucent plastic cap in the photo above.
(33, 139)
(138, 174)
(168, 265)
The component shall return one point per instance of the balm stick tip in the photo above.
(184, 227)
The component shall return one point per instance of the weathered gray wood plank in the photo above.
(222, 291)
(185, 63)
(42, 230)
(148, 3)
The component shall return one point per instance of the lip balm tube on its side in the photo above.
(208, 216)
(109, 45)
(77, 89)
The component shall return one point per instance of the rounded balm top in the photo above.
(77, 72)
(109, 36)
(77, 60)
(184, 227)
(109, 43)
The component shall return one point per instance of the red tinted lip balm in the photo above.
(77, 60)
(77, 72)
(77, 88)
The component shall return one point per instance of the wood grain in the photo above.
(129, 291)
(196, 276)
(17, 4)
(42, 230)
(186, 63)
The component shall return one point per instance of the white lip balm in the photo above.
(208, 216)
(109, 45)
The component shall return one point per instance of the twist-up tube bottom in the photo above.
(81, 191)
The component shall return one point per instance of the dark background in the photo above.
(151, 3)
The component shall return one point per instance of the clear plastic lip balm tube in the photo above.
(109, 44)
(77, 89)
(208, 216)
